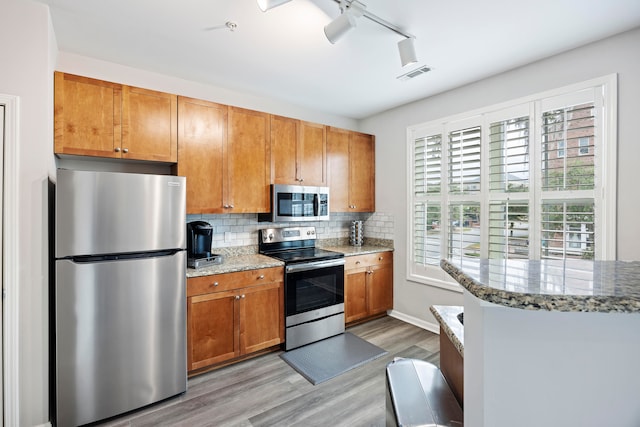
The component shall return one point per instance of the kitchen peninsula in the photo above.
(551, 342)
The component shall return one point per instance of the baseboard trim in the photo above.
(429, 326)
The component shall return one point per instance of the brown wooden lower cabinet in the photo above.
(452, 366)
(233, 315)
(368, 285)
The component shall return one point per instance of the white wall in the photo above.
(618, 54)
(27, 47)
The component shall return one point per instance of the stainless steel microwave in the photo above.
(297, 203)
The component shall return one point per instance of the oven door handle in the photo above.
(307, 266)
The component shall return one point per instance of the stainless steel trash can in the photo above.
(418, 395)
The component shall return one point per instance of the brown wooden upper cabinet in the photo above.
(351, 170)
(298, 152)
(202, 136)
(104, 119)
(224, 153)
(248, 162)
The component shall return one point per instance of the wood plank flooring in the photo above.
(265, 391)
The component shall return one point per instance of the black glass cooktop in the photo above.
(304, 255)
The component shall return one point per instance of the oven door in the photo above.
(313, 286)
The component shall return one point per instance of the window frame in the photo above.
(604, 89)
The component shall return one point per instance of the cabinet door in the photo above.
(312, 154)
(87, 116)
(284, 149)
(213, 326)
(149, 125)
(261, 317)
(362, 173)
(202, 133)
(355, 295)
(338, 169)
(380, 289)
(248, 162)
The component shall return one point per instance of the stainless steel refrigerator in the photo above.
(119, 293)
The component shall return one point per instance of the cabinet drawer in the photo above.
(235, 280)
(359, 261)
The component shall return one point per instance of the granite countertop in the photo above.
(447, 316)
(234, 263)
(555, 285)
(349, 250)
(239, 261)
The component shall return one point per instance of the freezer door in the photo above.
(107, 212)
(120, 336)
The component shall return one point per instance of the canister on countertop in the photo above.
(356, 235)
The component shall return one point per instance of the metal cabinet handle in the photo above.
(260, 277)
(117, 149)
(125, 150)
(242, 296)
(215, 283)
(237, 296)
(357, 262)
(380, 258)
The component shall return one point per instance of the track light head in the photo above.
(340, 26)
(265, 5)
(407, 51)
(346, 21)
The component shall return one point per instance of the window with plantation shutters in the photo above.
(568, 229)
(427, 165)
(464, 160)
(566, 132)
(533, 179)
(509, 155)
(427, 188)
(509, 229)
(464, 230)
(427, 246)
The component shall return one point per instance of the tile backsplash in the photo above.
(238, 233)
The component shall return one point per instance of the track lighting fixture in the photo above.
(265, 5)
(407, 51)
(351, 10)
(346, 21)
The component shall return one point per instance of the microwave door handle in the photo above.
(316, 204)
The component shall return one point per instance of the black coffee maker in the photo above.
(199, 235)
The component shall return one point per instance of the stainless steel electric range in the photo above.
(313, 284)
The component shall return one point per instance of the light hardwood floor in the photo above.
(265, 391)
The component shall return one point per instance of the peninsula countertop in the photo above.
(555, 285)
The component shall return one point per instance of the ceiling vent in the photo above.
(414, 73)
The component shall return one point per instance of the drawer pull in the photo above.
(215, 283)
(380, 259)
(260, 277)
(357, 262)
(237, 296)
(242, 296)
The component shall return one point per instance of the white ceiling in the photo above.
(283, 53)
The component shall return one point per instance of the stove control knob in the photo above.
(270, 236)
